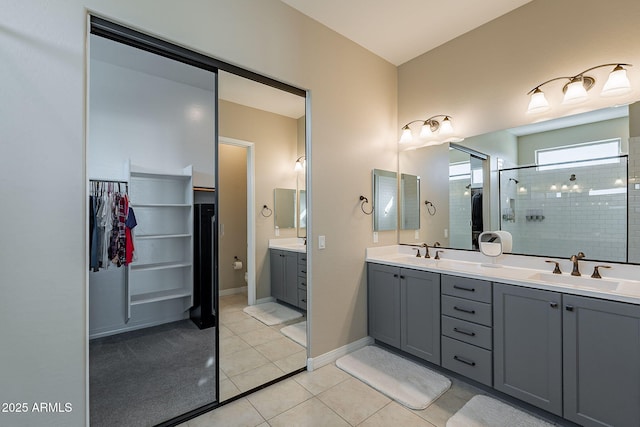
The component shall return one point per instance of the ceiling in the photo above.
(400, 30)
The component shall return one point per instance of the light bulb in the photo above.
(425, 131)
(617, 83)
(406, 135)
(298, 167)
(538, 103)
(445, 126)
(575, 93)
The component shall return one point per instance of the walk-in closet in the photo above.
(180, 162)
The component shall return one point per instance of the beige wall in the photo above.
(232, 199)
(481, 78)
(275, 141)
(43, 319)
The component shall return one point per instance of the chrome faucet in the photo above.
(574, 259)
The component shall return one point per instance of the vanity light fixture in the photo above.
(575, 91)
(300, 164)
(430, 127)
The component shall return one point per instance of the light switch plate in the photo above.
(375, 237)
(446, 233)
(321, 242)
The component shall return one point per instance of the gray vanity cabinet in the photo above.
(383, 302)
(601, 362)
(420, 314)
(284, 275)
(527, 346)
(404, 309)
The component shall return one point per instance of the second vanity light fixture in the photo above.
(430, 127)
(575, 91)
(300, 164)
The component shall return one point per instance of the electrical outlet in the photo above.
(416, 234)
(321, 242)
(277, 231)
(446, 233)
(375, 237)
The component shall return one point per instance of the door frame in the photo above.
(251, 214)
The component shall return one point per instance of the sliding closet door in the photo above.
(152, 132)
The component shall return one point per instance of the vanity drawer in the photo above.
(302, 283)
(474, 289)
(302, 270)
(468, 332)
(473, 311)
(302, 298)
(468, 360)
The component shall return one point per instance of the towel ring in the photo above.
(266, 212)
(431, 208)
(365, 200)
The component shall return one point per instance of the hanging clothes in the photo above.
(131, 223)
(108, 213)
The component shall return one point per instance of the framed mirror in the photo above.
(385, 200)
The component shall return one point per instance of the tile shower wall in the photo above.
(570, 217)
(459, 214)
(634, 199)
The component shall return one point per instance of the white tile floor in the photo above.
(326, 397)
(331, 397)
(252, 353)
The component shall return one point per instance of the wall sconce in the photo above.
(575, 91)
(430, 127)
(300, 164)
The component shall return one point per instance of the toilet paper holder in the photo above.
(237, 264)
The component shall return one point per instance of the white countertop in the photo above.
(619, 283)
(292, 244)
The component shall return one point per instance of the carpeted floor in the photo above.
(145, 377)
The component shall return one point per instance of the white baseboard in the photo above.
(232, 291)
(333, 355)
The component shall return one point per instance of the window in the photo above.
(601, 152)
(460, 170)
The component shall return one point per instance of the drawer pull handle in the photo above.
(303, 271)
(463, 288)
(553, 304)
(465, 361)
(464, 310)
(569, 308)
(303, 300)
(464, 332)
(395, 275)
(402, 277)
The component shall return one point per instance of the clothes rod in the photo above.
(210, 189)
(108, 180)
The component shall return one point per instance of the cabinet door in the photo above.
(384, 303)
(527, 345)
(601, 362)
(276, 258)
(290, 272)
(420, 314)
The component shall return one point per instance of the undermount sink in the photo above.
(579, 281)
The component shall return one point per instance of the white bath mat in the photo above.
(406, 382)
(297, 332)
(271, 313)
(483, 411)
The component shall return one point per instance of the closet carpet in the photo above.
(144, 377)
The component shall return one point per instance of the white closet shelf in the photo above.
(158, 266)
(159, 296)
(136, 174)
(161, 236)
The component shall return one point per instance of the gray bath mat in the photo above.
(297, 332)
(406, 382)
(483, 411)
(271, 313)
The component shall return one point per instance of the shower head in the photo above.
(514, 180)
(572, 177)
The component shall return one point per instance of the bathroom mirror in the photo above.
(285, 207)
(385, 200)
(508, 149)
(409, 202)
(302, 213)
